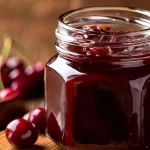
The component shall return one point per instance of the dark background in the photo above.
(33, 22)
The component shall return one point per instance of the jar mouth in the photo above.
(145, 21)
(131, 29)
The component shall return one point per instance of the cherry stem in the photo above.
(7, 44)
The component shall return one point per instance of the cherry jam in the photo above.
(97, 87)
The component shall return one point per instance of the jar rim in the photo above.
(130, 45)
(132, 9)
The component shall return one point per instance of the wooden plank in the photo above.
(43, 143)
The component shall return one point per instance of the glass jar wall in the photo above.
(97, 87)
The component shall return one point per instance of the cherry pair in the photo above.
(23, 132)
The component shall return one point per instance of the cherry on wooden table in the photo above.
(43, 143)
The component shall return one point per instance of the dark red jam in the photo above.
(97, 89)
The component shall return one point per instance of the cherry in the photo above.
(11, 106)
(25, 86)
(22, 82)
(39, 74)
(36, 74)
(37, 116)
(29, 70)
(36, 71)
(15, 74)
(21, 133)
(39, 69)
(30, 83)
(12, 63)
(8, 94)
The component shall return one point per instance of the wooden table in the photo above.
(43, 143)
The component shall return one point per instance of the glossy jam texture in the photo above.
(110, 40)
(97, 105)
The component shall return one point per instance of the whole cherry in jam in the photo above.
(94, 35)
(21, 133)
(37, 116)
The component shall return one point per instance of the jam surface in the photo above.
(94, 104)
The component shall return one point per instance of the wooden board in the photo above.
(43, 143)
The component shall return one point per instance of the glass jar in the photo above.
(97, 87)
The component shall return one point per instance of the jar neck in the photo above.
(126, 38)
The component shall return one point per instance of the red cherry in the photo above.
(25, 86)
(30, 83)
(37, 71)
(21, 133)
(39, 66)
(37, 116)
(15, 74)
(12, 63)
(29, 70)
(8, 94)
(36, 74)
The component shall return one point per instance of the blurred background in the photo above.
(33, 22)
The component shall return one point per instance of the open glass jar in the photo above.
(97, 87)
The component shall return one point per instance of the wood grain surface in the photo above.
(43, 143)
